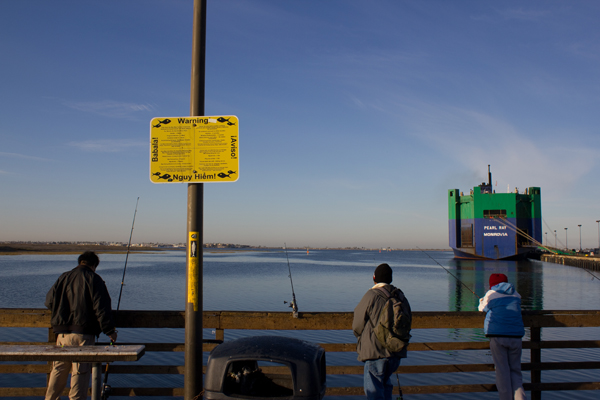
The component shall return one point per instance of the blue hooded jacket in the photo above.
(503, 306)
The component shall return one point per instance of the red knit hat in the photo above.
(496, 279)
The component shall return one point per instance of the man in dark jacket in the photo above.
(380, 363)
(81, 310)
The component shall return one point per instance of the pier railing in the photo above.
(220, 321)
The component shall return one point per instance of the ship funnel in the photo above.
(489, 176)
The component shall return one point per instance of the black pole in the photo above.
(195, 210)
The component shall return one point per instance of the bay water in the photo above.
(323, 280)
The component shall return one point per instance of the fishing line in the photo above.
(106, 389)
(525, 235)
(455, 277)
(127, 256)
(548, 248)
(293, 303)
(589, 272)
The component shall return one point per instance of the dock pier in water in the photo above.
(591, 263)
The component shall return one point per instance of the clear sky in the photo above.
(356, 117)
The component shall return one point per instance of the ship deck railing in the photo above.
(218, 322)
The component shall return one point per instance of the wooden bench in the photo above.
(90, 354)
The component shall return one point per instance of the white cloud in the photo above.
(523, 14)
(16, 155)
(108, 146)
(518, 158)
(109, 108)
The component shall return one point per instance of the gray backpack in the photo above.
(394, 322)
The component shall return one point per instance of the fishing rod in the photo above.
(106, 389)
(588, 271)
(400, 396)
(293, 303)
(127, 256)
(455, 277)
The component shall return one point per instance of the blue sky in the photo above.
(355, 117)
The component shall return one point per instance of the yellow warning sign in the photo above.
(194, 149)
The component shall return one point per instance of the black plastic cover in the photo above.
(233, 369)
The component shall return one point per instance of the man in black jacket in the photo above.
(81, 310)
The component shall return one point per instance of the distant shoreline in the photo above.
(12, 248)
(34, 248)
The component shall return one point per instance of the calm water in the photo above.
(324, 280)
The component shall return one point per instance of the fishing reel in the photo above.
(293, 306)
(106, 391)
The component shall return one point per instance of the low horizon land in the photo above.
(16, 248)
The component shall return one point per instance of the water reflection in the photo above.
(526, 275)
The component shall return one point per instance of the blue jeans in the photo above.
(377, 378)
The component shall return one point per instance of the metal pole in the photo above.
(536, 358)
(195, 216)
(96, 381)
(598, 222)
(579, 237)
(566, 240)
(555, 238)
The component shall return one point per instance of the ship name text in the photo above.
(494, 228)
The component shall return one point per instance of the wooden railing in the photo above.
(220, 321)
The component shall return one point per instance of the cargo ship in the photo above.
(494, 226)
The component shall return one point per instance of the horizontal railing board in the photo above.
(115, 391)
(308, 321)
(25, 368)
(331, 369)
(350, 347)
(552, 386)
(330, 391)
(25, 392)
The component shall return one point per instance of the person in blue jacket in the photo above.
(504, 326)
